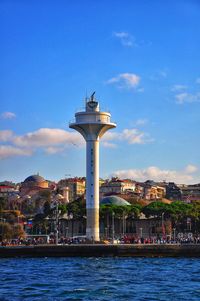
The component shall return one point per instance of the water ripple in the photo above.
(100, 279)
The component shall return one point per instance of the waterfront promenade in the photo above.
(102, 250)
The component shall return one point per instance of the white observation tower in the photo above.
(92, 124)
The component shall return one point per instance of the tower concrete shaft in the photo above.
(92, 124)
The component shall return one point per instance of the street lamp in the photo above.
(163, 226)
(188, 224)
(174, 229)
(106, 232)
(67, 231)
(56, 224)
(124, 224)
(141, 232)
(46, 224)
(58, 197)
(70, 218)
(113, 227)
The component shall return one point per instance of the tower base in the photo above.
(92, 229)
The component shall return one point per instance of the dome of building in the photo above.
(34, 178)
(114, 200)
(34, 181)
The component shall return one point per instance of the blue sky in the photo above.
(142, 59)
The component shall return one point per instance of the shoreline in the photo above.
(101, 250)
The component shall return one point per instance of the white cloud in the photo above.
(183, 96)
(48, 137)
(6, 135)
(109, 144)
(198, 80)
(187, 98)
(8, 115)
(157, 174)
(125, 38)
(53, 141)
(51, 150)
(111, 135)
(125, 80)
(141, 121)
(191, 168)
(131, 136)
(7, 151)
(178, 88)
(159, 74)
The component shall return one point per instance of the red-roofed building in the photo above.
(117, 186)
(75, 186)
(5, 190)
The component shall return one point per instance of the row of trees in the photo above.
(183, 216)
(178, 212)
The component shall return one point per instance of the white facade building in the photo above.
(117, 186)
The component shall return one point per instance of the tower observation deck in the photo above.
(92, 124)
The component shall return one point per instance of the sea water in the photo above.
(100, 279)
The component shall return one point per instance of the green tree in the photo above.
(122, 213)
(134, 211)
(194, 214)
(177, 211)
(18, 231)
(62, 208)
(155, 209)
(6, 231)
(40, 224)
(77, 208)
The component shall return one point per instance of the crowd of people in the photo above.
(126, 239)
(183, 239)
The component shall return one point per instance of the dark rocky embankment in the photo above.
(98, 250)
